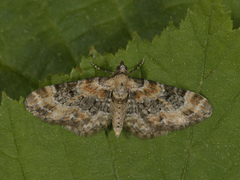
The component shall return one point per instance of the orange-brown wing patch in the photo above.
(81, 106)
(156, 109)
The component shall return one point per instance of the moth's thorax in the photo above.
(120, 82)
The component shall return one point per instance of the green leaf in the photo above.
(41, 37)
(201, 56)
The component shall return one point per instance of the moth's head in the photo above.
(121, 69)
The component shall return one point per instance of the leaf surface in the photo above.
(201, 56)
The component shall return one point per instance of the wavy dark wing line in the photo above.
(156, 109)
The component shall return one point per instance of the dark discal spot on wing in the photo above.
(174, 95)
(145, 108)
(90, 104)
(171, 91)
(64, 92)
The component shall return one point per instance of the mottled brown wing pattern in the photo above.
(155, 109)
(81, 106)
(145, 108)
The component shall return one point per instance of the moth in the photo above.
(143, 107)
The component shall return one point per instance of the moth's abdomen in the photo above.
(117, 119)
(118, 112)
